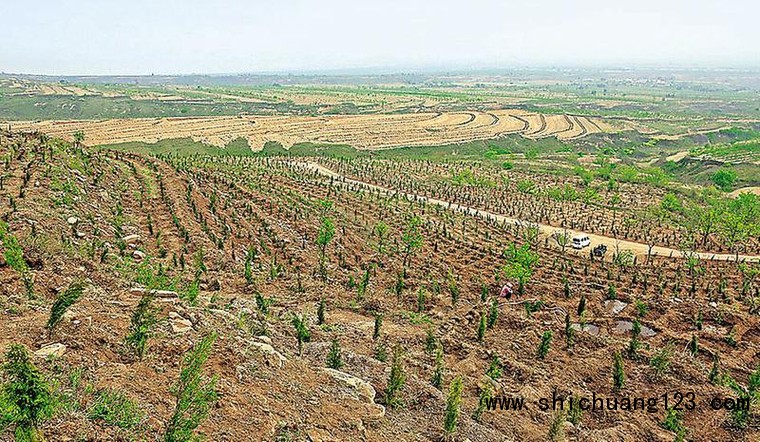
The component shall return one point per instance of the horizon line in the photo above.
(411, 70)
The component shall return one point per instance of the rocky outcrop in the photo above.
(614, 306)
(361, 389)
(132, 241)
(179, 324)
(55, 350)
(272, 357)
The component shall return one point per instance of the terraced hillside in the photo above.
(361, 131)
(292, 271)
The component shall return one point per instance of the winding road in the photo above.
(545, 230)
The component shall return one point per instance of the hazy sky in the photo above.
(233, 36)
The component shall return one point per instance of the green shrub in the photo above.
(263, 303)
(563, 193)
(302, 331)
(250, 256)
(526, 186)
(397, 378)
(63, 302)
(398, 286)
(485, 395)
(431, 343)
(749, 394)
(381, 352)
(194, 394)
(324, 236)
(412, 239)
(635, 344)
(724, 179)
(660, 362)
(14, 257)
(556, 427)
(26, 397)
(521, 263)
(143, 320)
(321, 312)
(361, 288)
(192, 290)
(575, 412)
(421, 300)
(453, 288)
(618, 372)
(483, 292)
(582, 305)
(715, 376)
(569, 331)
(641, 308)
(494, 369)
(334, 359)
(493, 313)
(545, 345)
(694, 345)
(482, 325)
(453, 403)
(437, 379)
(674, 422)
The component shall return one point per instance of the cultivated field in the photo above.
(378, 261)
(363, 132)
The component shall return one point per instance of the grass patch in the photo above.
(116, 409)
(183, 147)
(474, 150)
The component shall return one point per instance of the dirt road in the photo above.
(544, 230)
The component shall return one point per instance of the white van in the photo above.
(581, 241)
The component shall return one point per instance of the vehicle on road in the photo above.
(599, 250)
(581, 241)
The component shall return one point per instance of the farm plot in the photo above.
(27, 87)
(360, 131)
(630, 212)
(245, 244)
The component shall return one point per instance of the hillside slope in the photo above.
(233, 244)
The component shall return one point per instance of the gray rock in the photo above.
(614, 307)
(588, 328)
(179, 324)
(131, 239)
(265, 339)
(363, 389)
(223, 313)
(627, 326)
(319, 435)
(57, 350)
(269, 353)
